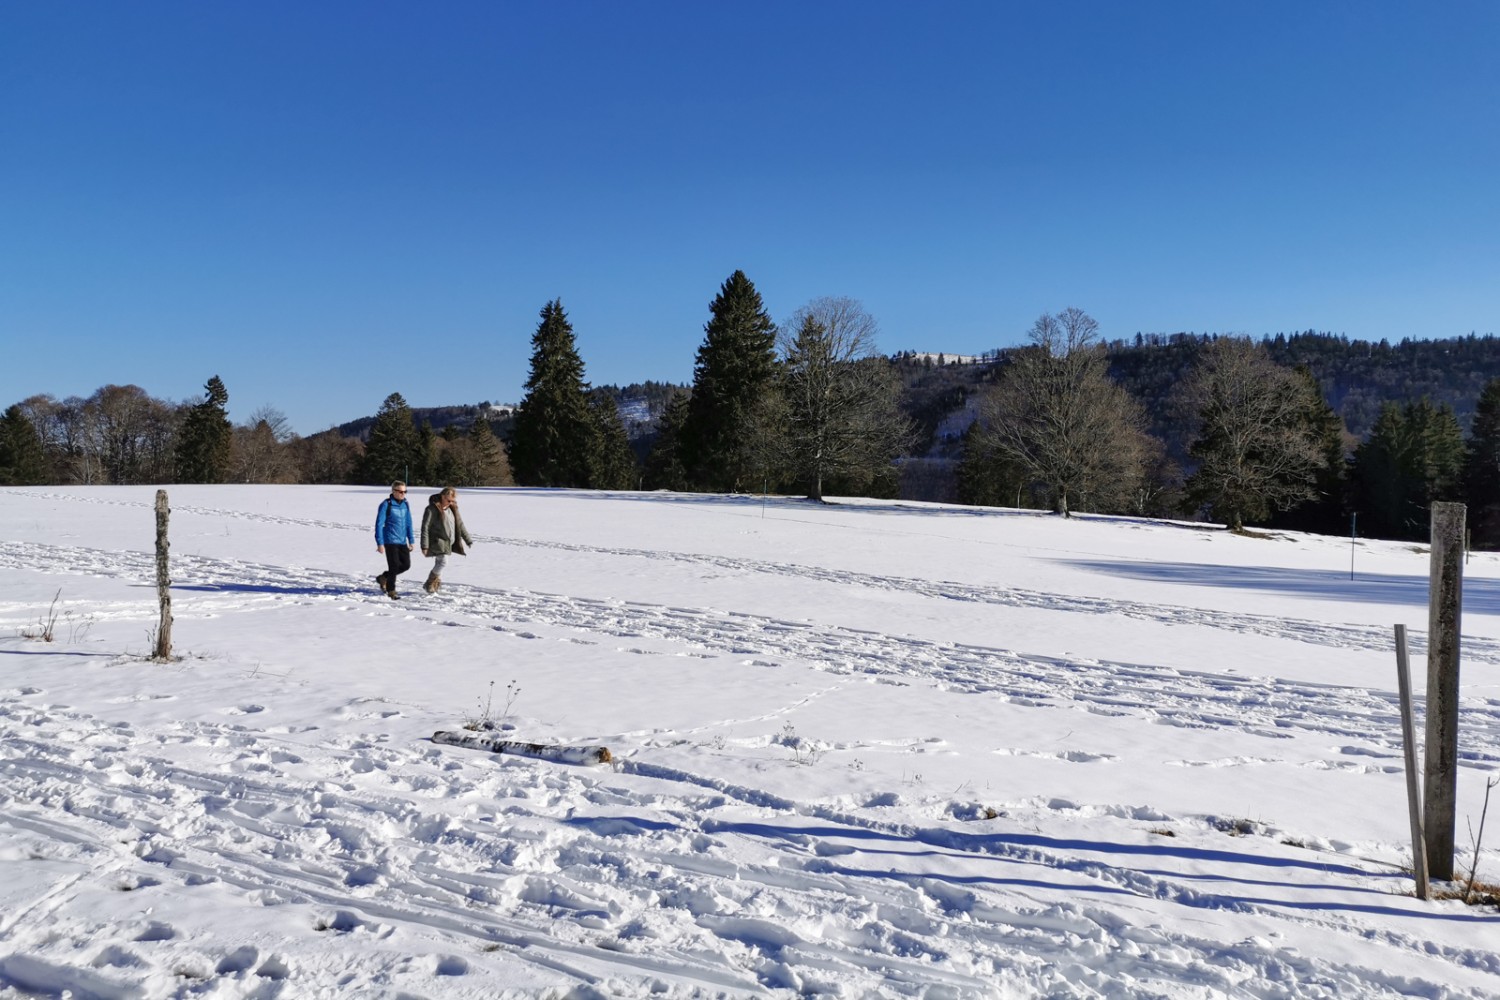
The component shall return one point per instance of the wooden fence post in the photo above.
(1413, 780)
(1444, 618)
(163, 651)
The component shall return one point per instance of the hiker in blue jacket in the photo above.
(394, 535)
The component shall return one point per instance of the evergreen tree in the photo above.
(490, 466)
(22, 460)
(720, 439)
(203, 445)
(394, 449)
(424, 463)
(556, 433)
(1413, 458)
(613, 461)
(987, 475)
(1381, 488)
(1482, 469)
(664, 470)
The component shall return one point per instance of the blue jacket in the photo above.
(393, 523)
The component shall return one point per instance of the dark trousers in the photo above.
(397, 561)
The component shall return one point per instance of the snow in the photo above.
(865, 749)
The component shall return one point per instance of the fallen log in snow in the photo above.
(545, 751)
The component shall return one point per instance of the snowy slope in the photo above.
(863, 749)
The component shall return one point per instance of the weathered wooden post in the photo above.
(163, 649)
(1413, 782)
(1444, 617)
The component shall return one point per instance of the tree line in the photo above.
(122, 435)
(1206, 427)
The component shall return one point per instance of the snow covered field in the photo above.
(864, 749)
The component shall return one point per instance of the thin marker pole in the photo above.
(1353, 534)
(1413, 780)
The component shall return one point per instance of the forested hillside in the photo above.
(1357, 377)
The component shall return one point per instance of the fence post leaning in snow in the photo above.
(1444, 618)
(1413, 781)
(163, 650)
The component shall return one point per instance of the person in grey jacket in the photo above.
(443, 532)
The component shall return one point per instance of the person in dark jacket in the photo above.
(394, 536)
(443, 532)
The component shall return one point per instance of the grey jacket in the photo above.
(435, 540)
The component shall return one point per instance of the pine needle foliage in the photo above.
(556, 435)
(203, 444)
(722, 435)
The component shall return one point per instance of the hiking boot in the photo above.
(392, 594)
(383, 584)
(432, 584)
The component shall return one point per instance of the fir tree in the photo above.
(556, 434)
(394, 450)
(721, 436)
(613, 461)
(491, 467)
(203, 445)
(664, 470)
(1413, 458)
(22, 460)
(1482, 468)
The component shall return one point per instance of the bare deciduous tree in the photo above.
(1056, 413)
(262, 449)
(1254, 446)
(839, 412)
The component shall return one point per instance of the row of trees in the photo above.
(805, 406)
(1260, 440)
(122, 435)
(810, 405)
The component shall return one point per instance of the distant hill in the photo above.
(1357, 377)
(439, 417)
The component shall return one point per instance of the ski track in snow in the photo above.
(651, 879)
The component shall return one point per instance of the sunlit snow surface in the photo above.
(861, 749)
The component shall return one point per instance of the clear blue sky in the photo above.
(324, 203)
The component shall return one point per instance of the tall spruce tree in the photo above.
(203, 444)
(1413, 458)
(22, 460)
(490, 465)
(614, 462)
(664, 469)
(556, 434)
(394, 450)
(720, 443)
(1482, 469)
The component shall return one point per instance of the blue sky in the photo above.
(324, 203)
